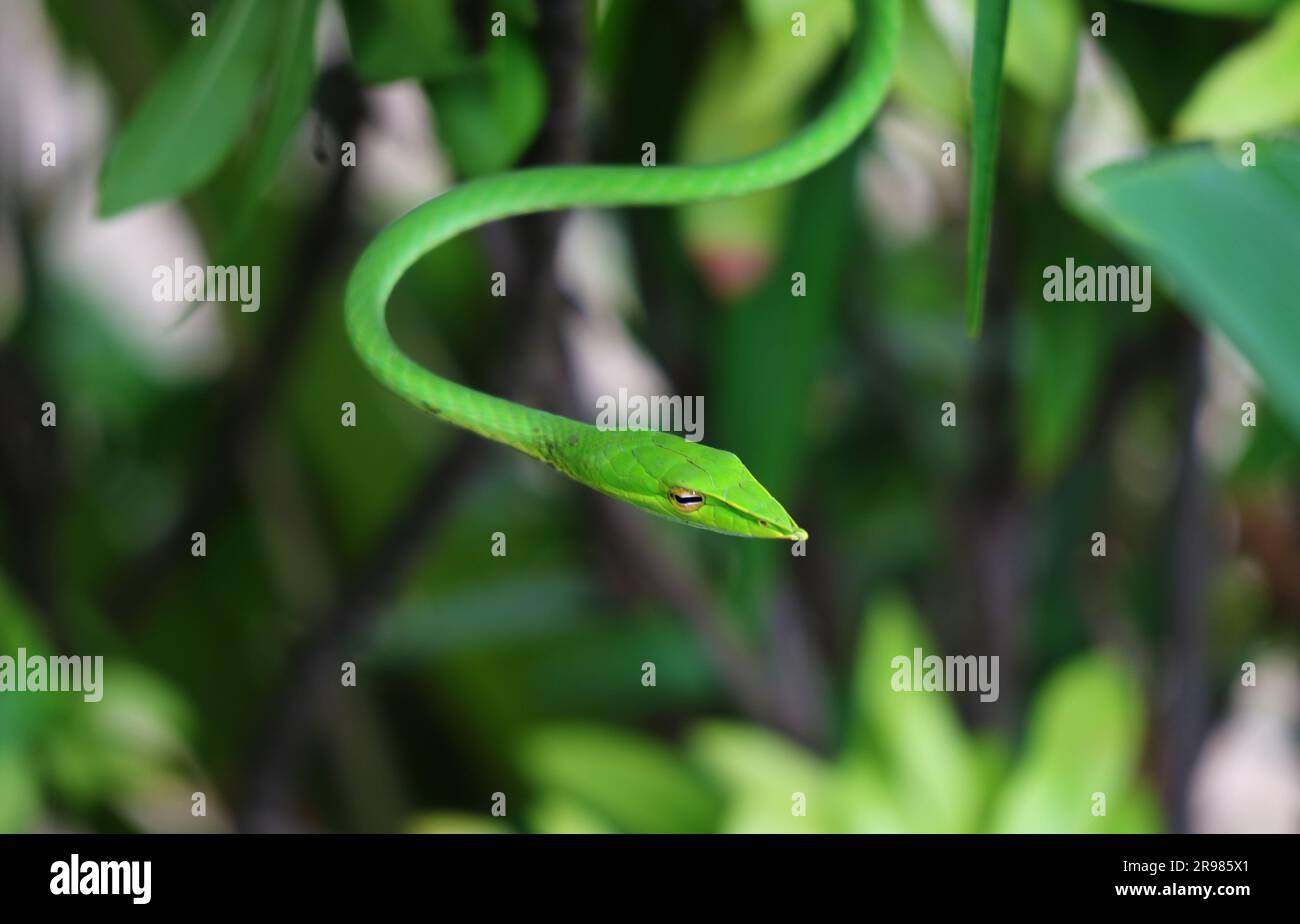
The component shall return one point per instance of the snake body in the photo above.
(659, 472)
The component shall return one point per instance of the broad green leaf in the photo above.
(403, 39)
(1083, 742)
(1225, 238)
(635, 782)
(1245, 9)
(763, 776)
(986, 93)
(925, 752)
(194, 114)
(488, 114)
(1254, 88)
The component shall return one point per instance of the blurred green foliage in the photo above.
(908, 765)
(522, 674)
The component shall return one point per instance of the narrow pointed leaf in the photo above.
(986, 89)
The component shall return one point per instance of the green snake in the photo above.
(659, 472)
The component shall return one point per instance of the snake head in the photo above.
(690, 483)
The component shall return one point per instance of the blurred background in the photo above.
(513, 692)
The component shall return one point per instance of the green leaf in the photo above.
(295, 73)
(115, 749)
(1225, 237)
(192, 117)
(633, 781)
(927, 756)
(20, 792)
(489, 114)
(761, 773)
(1254, 88)
(986, 91)
(1084, 738)
(1245, 9)
(508, 609)
(928, 75)
(403, 39)
(1042, 38)
(420, 39)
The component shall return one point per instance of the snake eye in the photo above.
(685, 499)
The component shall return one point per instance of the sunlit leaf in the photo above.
(1254, 88)
(766, 779)
(1082, 746)
(1041, 40)
(633, 781)
(915, 733)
